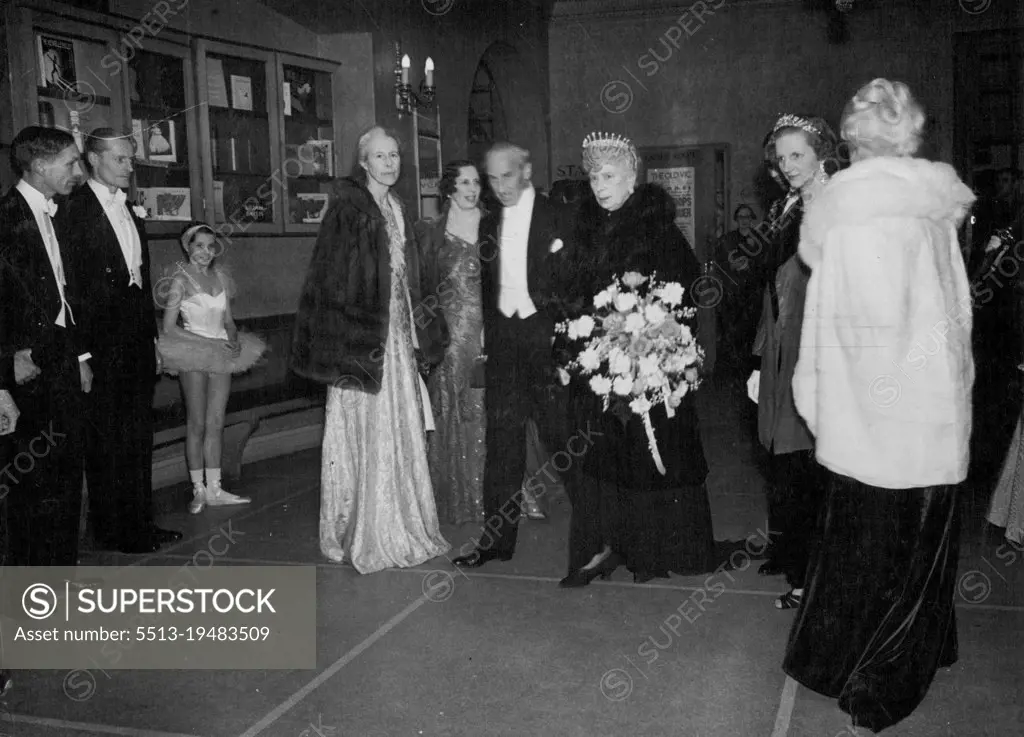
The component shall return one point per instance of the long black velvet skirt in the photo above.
(877, 617)
(656, 531)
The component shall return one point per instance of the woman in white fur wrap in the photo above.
(884, 382)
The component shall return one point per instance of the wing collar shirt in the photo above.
(121, 221)
(43, 210)
(514, 297)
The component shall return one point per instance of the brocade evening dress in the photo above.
(376, 501)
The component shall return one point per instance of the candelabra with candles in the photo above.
(405, 99)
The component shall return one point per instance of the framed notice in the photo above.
(319, 155)
(57, 65)
(312, 206)
(697, 178)
(678, 182)
(241, 92)
(161, 144)
(167, 203)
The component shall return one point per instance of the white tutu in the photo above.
(185, 355)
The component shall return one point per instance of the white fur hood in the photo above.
(884, 187)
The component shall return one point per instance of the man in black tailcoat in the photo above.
(521, 250)
(43, 359)
(105, 240)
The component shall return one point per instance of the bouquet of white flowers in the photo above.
(636, 348)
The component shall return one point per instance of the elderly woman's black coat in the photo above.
(658, 523)
(341, 328)
(640, 236)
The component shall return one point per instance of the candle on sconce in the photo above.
(405, 69)
(428, 70)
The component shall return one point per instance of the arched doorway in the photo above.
(486, 115)
(507, 103)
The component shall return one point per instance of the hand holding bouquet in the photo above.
(636, 348)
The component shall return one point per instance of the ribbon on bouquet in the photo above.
(653, 444)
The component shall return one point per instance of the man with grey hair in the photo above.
(521, 249)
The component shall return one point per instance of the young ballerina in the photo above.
(205, 352)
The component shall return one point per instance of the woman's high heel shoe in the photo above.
(530, 508)
(583, 576)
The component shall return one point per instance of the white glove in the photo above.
(754, 386)
(8, 413)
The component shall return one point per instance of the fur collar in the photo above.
(884, 187)
(352, 193)
(649, 203)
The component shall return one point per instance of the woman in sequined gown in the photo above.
(456, 447)
(355, 331)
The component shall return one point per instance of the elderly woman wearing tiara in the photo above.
(359, 328)
(884, 381)
(623, 509)
(204, 351)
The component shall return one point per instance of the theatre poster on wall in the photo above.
(697, 179)
(678, 182)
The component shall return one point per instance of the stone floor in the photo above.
(503, 651)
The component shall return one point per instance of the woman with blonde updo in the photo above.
(884, 382)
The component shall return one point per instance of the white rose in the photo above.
(633, 279)
(140, 212)
(619, 363)
(635, 324)
(602, 299)
(640, 405)
(675, 364)
(655, 315)
(585, 326)
(589, 359)
(601, 385)
(671, 294)
(623, 386)
(563, 376)
(648, 365)
(625, 302)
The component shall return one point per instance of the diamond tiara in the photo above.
(795, 121)
(607, 142)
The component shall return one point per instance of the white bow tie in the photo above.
(51, 208)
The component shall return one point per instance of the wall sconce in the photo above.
(405, 99)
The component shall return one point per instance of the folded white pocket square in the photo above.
(556, 245)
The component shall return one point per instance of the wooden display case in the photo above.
(309, 152)
(238, 125)
(217, 139)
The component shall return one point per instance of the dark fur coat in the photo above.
(341, 328)
(640, 236)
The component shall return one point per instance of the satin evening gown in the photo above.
(377, 505)
(456, 447)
